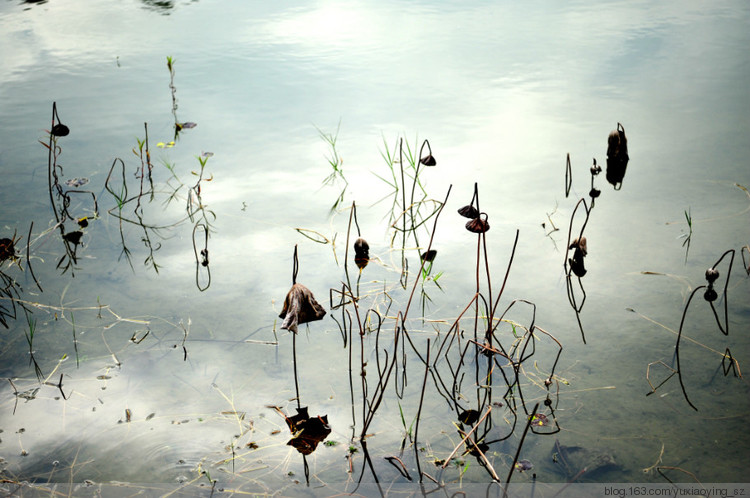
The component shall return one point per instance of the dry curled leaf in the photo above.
(300, 306)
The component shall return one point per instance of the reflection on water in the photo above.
(451, 346)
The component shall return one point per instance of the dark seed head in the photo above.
(429, 256)
(711, 275)
(361, 262)
(361, 247)
(477, 225)
(361, 253)
(710, 295)
(428, 160)
(594, 193)
(469, 212)
(60, 130)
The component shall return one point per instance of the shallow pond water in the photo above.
(146, 350)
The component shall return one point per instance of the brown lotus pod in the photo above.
(477, 225)
(595, 169)
(429, 256)
(711, 275)
(579, 245)
(361, 262)
(361, 248)
(361, 253)
(710, 295)
(469, 212)
(60, 130)
(428, 160)
(300, 306)
(617, 144)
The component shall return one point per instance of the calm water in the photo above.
(502, 93)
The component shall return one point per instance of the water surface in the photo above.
(503, 93)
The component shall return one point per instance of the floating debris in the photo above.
(524, 465)
(185, 126)
(76, 182)
(539, 419)
(300, 306)
(573, 459)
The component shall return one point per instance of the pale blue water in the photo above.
(503, 92)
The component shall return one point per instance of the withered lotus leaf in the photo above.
(469, 212)
(7, 249)
(477, 225)
(300, 306)
(73, 237)
(576, 265)
(308, 431)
